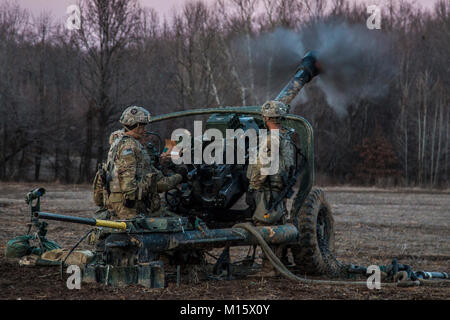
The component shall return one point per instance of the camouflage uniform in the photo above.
(115, 135)
(100, 192)
(149, 146)
(267, 188)
(134, 183)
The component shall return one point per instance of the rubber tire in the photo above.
(308, 256)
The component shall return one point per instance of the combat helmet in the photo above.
(273, 109)
(134, 115)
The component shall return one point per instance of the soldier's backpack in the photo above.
(104, 173)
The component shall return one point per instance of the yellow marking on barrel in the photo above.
(111, 224)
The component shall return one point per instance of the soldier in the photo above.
(265, 189)
(132, 182)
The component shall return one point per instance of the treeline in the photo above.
(62, 91)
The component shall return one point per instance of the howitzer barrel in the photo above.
(304, 73)
(87, 221)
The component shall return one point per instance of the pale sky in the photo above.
(164, 7)
(58, 7)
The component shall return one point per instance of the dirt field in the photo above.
(372, 227)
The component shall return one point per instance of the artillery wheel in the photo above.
(314, 253)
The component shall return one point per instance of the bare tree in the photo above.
(108, 27)
(14, 28)
(61, 91)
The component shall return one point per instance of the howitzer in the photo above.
(147, 247)
(142, 249)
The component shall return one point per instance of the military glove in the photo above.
(129, 203)
(250, 198)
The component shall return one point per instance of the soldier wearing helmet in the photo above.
(132, 182)
(263, 188)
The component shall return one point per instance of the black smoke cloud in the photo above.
(357, 62)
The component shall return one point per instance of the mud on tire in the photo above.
(314, 253)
